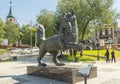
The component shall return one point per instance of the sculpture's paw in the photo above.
(42, 64)
(60, 64)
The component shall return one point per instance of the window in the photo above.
(103, 31)
(102, 42)
(109, 31)
(10, 19)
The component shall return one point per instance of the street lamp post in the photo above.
(35, 40)
(31, 36)
(98, 57)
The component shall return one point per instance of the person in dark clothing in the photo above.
(107, 56)
(70, 51)
(113, 56)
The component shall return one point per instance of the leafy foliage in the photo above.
(2, 25)
(90, 13)
(46, 18)
(25, 34)
(11, 32)
(28, 34)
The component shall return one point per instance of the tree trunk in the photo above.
(84, 29)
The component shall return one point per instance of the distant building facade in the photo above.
(107, 38)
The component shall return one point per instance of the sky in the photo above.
(26, 11)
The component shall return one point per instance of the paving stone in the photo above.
(112, 81)
(108, 70)
(20, 80)
(15, 72)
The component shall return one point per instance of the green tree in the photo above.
(11, 32)
(2, 25)
(89, 13)
(27, 34)
(47, 19)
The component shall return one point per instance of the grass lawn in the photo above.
(3, 51)
(101, 52)
(90, 58)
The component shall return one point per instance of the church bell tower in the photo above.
(10, 17)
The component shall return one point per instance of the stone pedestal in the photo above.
(60, 73)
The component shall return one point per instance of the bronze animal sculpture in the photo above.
(74, 35)
(67, 38)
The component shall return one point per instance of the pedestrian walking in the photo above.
(107, 56)
(113, 56)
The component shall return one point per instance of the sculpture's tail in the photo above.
(40, 32)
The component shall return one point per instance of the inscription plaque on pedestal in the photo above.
(85, 70)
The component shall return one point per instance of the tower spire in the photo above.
(10, 2)
(10, 11)
(10, 17)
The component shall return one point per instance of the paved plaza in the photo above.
(14, 72)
